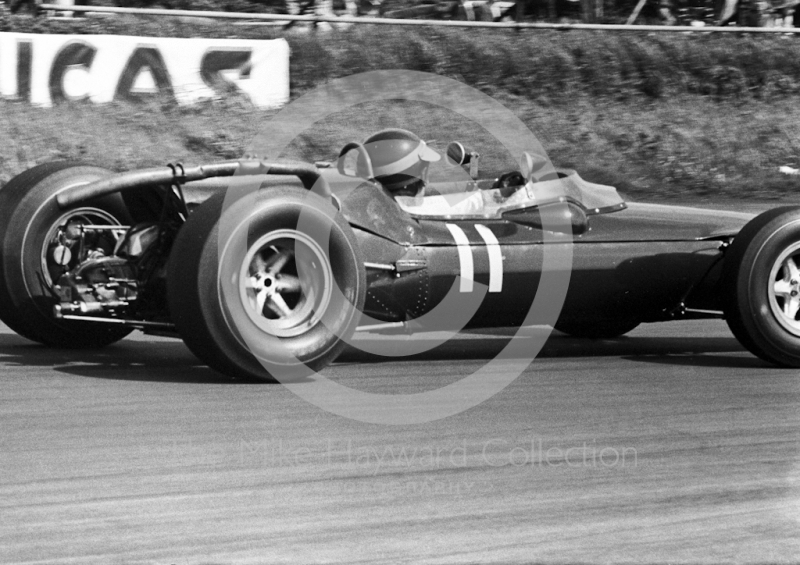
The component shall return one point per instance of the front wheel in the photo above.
(761, 286)
(268, 288)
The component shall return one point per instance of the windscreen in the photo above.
(597, 198)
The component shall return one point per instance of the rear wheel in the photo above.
(32, 257)
(268, 289)
(761, 286)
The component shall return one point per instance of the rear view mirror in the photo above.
(532, 163)
(564, 217)
(457, 154)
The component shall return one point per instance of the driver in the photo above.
(400, 161)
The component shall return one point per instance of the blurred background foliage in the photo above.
(661, 115)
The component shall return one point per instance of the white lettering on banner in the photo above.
(48, 69)
(464, 257)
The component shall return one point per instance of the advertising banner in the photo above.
(47, 69)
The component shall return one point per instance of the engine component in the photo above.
(106, 284)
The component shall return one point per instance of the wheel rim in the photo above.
(285, 283)
(59, 236)
(784, 289)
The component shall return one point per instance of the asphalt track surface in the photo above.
(669, 445)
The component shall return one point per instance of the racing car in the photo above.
(260, 265)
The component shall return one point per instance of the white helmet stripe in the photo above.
(420, 153)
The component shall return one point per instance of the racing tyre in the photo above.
(600, 329)
(761, 286)
(30, 226)
(268, 288)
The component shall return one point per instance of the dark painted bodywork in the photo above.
(626, 263)
(648, 262)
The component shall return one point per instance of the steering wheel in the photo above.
(509, 183)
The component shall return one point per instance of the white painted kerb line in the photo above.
(495, 258)
(464, 257)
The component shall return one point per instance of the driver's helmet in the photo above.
(400, 160)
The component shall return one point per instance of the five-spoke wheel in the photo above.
(269, 287)
(761, 286)
(286, 282)
(784, 293)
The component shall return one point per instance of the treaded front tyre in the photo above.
(29, 214)
(761, 286)
(268, 288)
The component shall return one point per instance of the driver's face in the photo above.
(414, 189)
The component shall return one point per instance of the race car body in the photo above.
(277, 266)
(640, 259)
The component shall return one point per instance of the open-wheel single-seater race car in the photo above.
(285, 271)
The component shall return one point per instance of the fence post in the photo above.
(635, 13)
(65, 3)
(588, 11)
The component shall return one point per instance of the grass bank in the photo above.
(682, 148)
(532, 64)
(669, 116)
